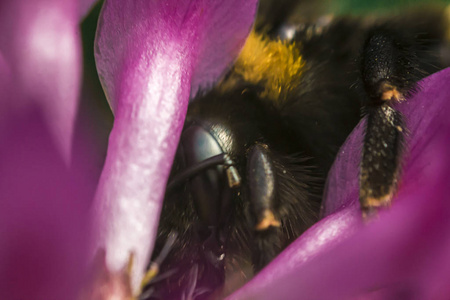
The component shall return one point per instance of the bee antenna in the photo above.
(220, 159)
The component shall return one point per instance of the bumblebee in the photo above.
(255, 150)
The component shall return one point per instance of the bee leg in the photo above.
(381, 159)
(154, 267)
(261, 181)
(389, 74)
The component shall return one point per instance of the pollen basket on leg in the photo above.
(382, 152)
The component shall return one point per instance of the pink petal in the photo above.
(405, 253)
(40, 44)
(43, 213)
(148, 55)
(85, 6)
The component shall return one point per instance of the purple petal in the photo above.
(43, 213)
(405, 252)
(85, 6)
(148, 54)
(40, 43)
(224, 35)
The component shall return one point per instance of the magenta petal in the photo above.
(406, 252)
(147, 54)
(5, 77)
(224, 32)
(85, 6)
(40, 42)
(43, 213)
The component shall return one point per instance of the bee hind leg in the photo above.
(389, 72)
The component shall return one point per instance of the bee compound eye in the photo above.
(200, 146)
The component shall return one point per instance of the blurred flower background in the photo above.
(54, 127)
